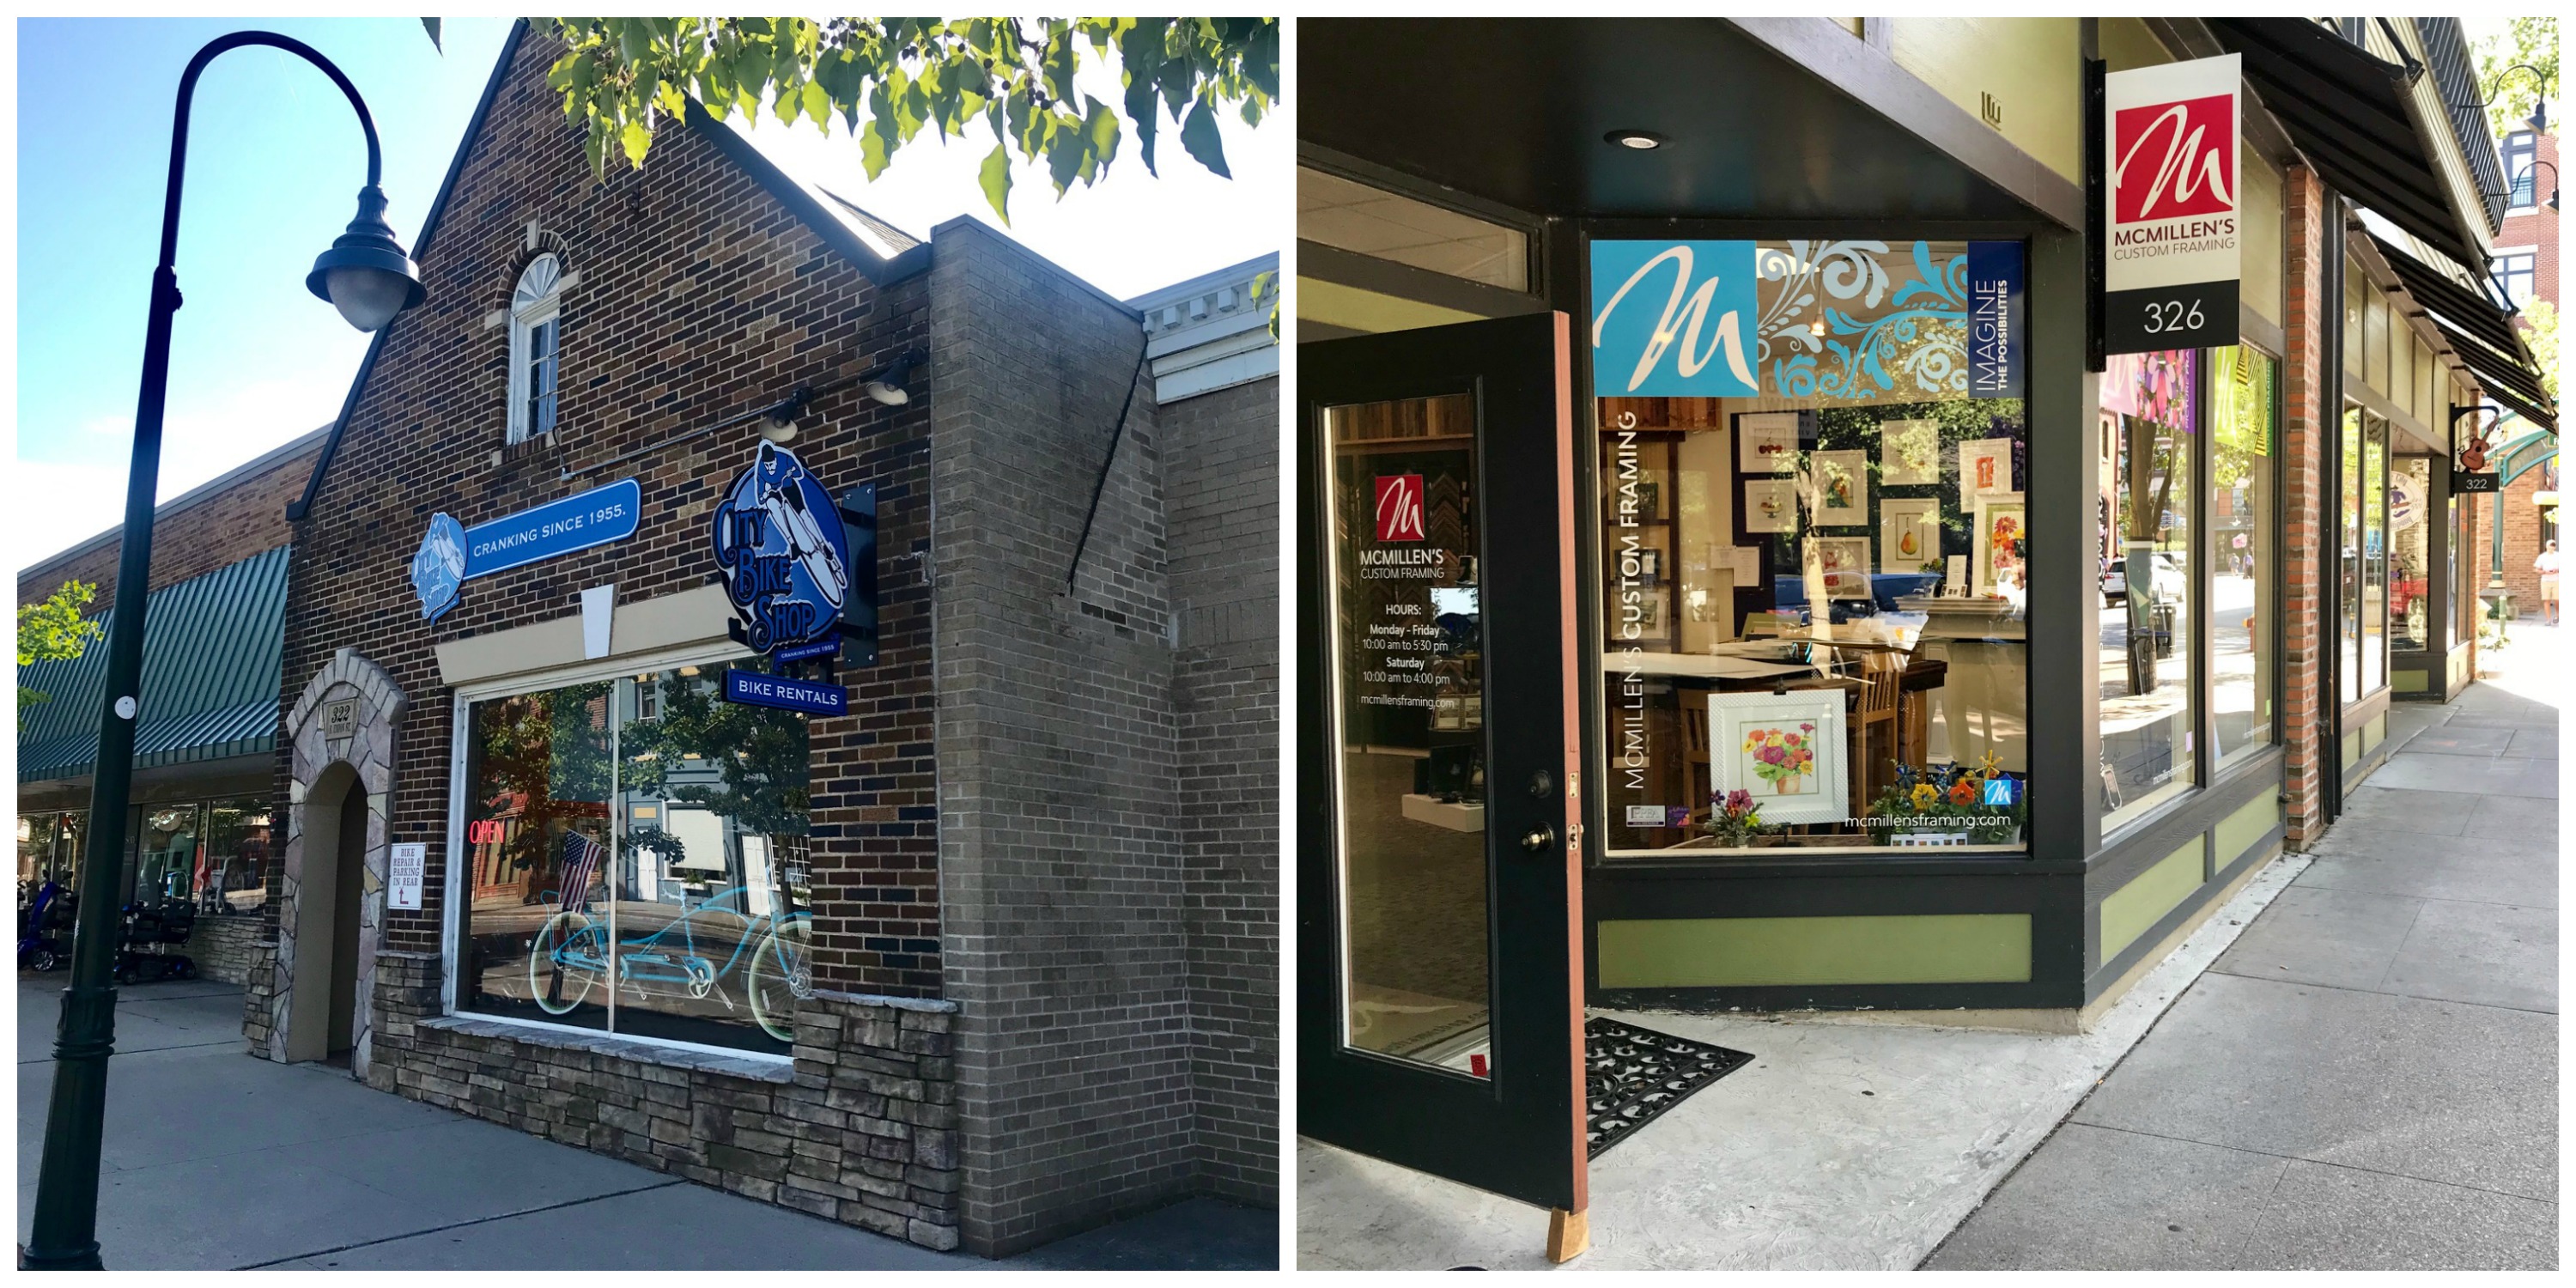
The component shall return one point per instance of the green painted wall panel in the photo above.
(2135, 907)
(1712, 952)
(2376, 732)
(2238, 832)
(2409, 681)
(2352, 749)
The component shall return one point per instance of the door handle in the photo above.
(1540, 838)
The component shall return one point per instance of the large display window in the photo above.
(2150, 540)
(1813, 597)
(633, 859)
(2245, 594)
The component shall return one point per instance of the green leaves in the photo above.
(889, 78)
(53, 631)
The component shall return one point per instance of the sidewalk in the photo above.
(2368, 1079)
(214, 1160)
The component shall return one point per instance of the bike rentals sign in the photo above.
(2173, 225)
(785, 560)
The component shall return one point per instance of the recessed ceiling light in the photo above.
(1641, 140)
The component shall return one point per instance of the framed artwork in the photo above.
(1786, 749)
(1842, 489)
(1909, 452)
(1985, 468)
(1909, 534)
(1766, 442)
(1770, 505)
(2002, 526)
(1844, 561)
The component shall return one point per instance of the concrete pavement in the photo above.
(215, 1160)
(2368, 1078)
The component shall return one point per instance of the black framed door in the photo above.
(1439, 994)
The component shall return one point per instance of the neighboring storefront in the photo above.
(203, 829)
(771, 698)
(1790, 512)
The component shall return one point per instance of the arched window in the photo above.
(536, 342)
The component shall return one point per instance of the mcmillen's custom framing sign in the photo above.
(2175, 250)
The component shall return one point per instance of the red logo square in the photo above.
(2174, 159)
(1399, 507)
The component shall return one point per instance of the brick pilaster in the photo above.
(2309, 407)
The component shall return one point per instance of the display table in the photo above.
(1457, 816)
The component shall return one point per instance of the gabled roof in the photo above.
(868, 258)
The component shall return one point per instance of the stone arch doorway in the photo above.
(330, 912)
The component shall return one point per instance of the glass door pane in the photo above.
(1409, 706)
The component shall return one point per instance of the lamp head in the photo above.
(2539, 118)
(366, 274)
(888, 386)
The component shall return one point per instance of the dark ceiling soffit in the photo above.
(2463, 308)
(1386, 277)
(1867, 75)
(791, 194)
(2342, 106)
(297, 508)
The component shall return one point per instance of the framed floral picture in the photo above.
(1844, 561)
(1909, 534)
(1985, 468)
(2003, 532)
(1766, 442)
(1842, 489)
(1770, 505)
(1786, 749)
(1909, 452)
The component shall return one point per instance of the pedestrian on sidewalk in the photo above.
(2547, 566)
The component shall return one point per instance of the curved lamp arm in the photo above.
(187, 97)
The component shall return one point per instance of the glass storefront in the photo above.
(49, 849)
(2244, 588)
(634, 860)
(1408, 644)
(2410, 539)
(213, 854)
(2149, 543)
(1814, 620)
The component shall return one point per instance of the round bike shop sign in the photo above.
(785, 558)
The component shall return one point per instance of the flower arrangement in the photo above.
(1733, 819)
(1951, 798)
(1784, 758)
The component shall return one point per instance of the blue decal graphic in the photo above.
(1999, 791)
(707, 949)
(1673, 319)
(438, 571)
(592, 518)
(1995, 339)
(786, 560)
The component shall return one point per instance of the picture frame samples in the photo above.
(1770, 505)
(1766, 442)
(2000, 518)
(1844, 561)
(1985, 468)
(1909, 534)
(1842, 488)
(1909, 452)
(1786, 749)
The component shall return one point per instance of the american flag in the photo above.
(581, 858)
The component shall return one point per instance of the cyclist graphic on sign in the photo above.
(785, 557)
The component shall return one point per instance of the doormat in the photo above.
(1632, 1075)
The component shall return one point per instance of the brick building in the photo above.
(983, 954)
(202, 823)
(2525, 268)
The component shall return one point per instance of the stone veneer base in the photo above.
(860, 1126)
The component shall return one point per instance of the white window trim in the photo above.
(2495, 265)
(451, 931)
(2533, 165)
(524, 320)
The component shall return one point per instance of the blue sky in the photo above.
(274, 164)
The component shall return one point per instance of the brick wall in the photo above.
(2311, 403)
(1222, 460)
(2522, 538)
(698, 297)
(207, 532)
(1067, 930)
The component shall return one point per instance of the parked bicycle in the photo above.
(572, 954)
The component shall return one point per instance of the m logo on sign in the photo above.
(1704, 320)
(1399, 508)
(2188, 149)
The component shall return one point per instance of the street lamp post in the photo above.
(368, 276)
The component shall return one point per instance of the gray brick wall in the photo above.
(1065, 934)
(1222, 489)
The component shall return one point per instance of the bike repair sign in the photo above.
(785, 557)
(404, 873)
(2173, 217)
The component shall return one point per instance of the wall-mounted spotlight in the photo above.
(778, 424)
(889, 384)
(1636, 140)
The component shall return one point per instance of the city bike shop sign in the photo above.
(784, 556)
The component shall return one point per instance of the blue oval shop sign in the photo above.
(785, 559)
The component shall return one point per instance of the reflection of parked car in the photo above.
(2165, 579)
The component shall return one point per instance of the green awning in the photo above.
(212, 651)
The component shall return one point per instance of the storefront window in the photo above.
(2374, 560)
(172, 846)
(35, 853)
(2410, 572)
(2244, 594)
(2149, 701)
(2464, 596)
(1814, 608)
(635, 861)
(238, 838)
(1409, 717)
(2348, 565)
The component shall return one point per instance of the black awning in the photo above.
(2505, 380)
(2346, 111)
(2465, 309)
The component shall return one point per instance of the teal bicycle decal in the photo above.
(696, 953)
